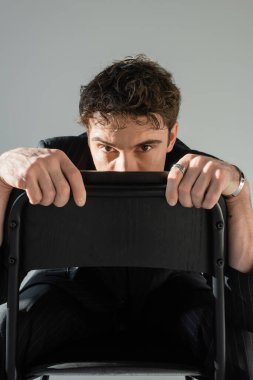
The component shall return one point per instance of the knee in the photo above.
(29, 299)
(197, 331)
(32, 297)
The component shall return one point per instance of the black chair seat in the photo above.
(117, 354)
(114, 368)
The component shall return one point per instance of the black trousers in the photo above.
(87, 312)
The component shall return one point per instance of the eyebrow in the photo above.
(146, 142)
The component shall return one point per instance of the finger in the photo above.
(197, 180)
(75, 180)
(62, 187)
(214, 190)
(193, 186)
(202, 183)
(199, 190)
(47, 188)
(33, 191)
(186, 185)
(175, 176)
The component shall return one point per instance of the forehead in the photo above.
(127, 129)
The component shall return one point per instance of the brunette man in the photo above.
(130, 113)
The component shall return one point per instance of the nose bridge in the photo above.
(125, 162)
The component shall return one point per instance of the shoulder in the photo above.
(181, 149)
(65, 143)
(75, 147)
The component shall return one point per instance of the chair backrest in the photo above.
(125, 222)
(127, 212)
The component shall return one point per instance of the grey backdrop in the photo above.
(50, 47)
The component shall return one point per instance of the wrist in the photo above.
(242, 198)
(241, 181)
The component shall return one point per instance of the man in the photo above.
(130, 112)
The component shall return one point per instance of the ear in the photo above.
(173, 137)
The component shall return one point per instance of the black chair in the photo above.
(171, 237)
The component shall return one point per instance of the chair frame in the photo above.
(124, 190)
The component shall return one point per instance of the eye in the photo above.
(106, 148)
(145, 147)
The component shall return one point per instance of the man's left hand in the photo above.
(204, 180)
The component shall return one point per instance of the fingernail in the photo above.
(171, 202)
(81, 202)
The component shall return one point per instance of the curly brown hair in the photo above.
(135, 86)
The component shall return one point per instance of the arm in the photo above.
(239, 287)
(202, 184)
(240, 231)
(47, 175)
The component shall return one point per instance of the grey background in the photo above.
(50, 47)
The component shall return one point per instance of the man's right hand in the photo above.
(47, 175)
